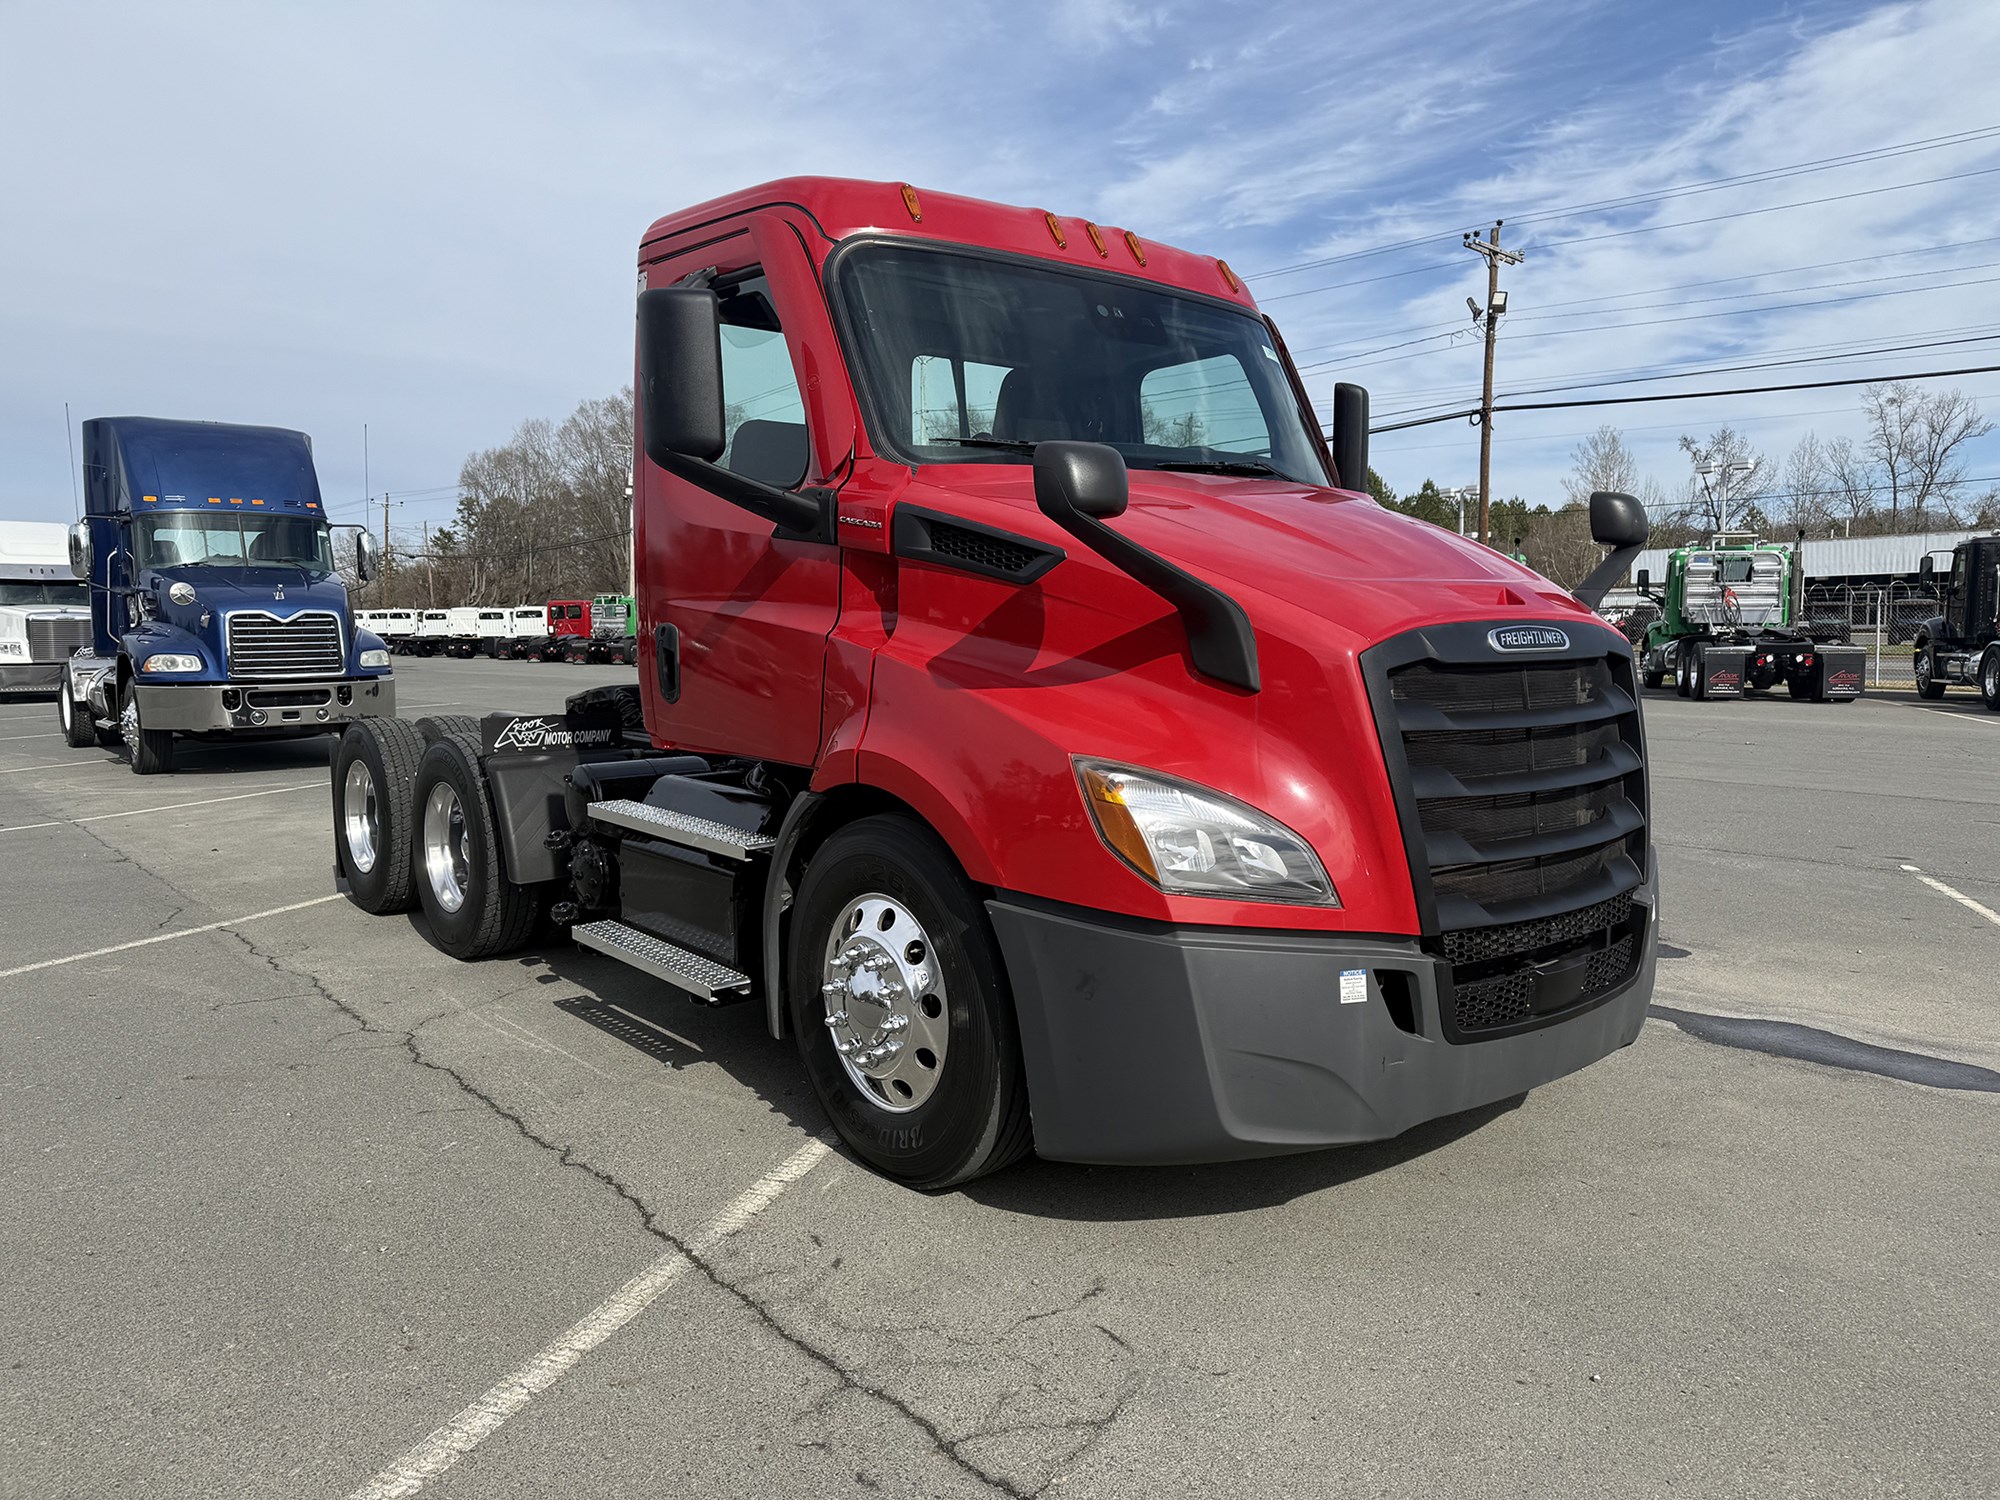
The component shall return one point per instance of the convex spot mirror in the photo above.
(680, 374)
(1086, 478)
(1617, 520)
(79, 549)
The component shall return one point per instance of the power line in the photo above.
(1713, 184)
(1752, 390)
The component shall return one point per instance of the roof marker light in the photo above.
(235, 499)
(910, 202)
(215, 499)
(150, 499)
(1096, 238)
(1229, 276)
(1055, 231)
(256, 502)
(1132, 244)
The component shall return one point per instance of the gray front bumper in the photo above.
(1153, 1044)
(198, 707)
(30, 677)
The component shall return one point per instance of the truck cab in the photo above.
(44, 608)
(1038, 719)
(216, 610)
(1962, 644)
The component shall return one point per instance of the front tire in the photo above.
(374, 810)
(1989, 679)
(1927, 684)
(474, 910)
(150, 752)
(79, 733)
(900, 1006)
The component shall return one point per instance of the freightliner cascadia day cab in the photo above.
(215, 607)
(44, 608)
(1043, 723)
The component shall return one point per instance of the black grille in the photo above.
(56, 637)
(970, 546)
(1522, 795)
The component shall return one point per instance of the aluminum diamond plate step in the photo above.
(690, 971)
(681, 828)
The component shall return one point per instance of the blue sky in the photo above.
(423, 217)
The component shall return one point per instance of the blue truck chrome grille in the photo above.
(306, 645)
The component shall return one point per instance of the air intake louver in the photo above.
(306, 645)
(56, 637)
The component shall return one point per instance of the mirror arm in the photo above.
(807, 517)
(1604, 577)
(1219, 635)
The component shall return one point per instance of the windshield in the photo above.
(191, 539)
(74, 595)
(974, 360)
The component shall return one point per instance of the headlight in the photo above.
(167, 661)
(1190, 841)
(374, 658)
(181, 593)
(13, 648)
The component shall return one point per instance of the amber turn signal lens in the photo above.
(1132, 244)
(1115, 821)
(1229, 276)
(1055, 231)
(1095, 238)
(910, 202)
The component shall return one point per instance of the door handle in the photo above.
(667, 661)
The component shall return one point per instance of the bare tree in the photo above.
(1601, 462)
(1914, 439)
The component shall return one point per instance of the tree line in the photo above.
(1906, 471)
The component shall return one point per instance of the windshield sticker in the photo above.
(1270, 354)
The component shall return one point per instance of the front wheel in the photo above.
(1927, 684)
(900, 1006)
(79, 733)
(150, 752)
(1989, 679)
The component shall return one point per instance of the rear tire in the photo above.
(374, 809)
(1684, 673)
(968, 1112)
(79, 732)
(1653, 677)
(150, 752)
(474, 910)
(1698, 687)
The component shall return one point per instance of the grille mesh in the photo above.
(56, 638)
(306, 645)
(976, 547)
(1478, 945)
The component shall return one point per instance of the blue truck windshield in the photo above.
(188, 539)
(970, 359)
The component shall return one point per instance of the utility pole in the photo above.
(385, 545)
(1496, 304)
(430, 568)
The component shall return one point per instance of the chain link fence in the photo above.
(1884, 618)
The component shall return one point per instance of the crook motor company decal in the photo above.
(528, 732)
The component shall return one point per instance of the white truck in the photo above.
(432, 634)
(44, 607)
(527, 632)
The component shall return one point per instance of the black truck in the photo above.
(1963, 643)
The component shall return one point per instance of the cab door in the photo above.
(733, 616)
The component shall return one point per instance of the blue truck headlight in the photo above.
(170, 661)
(374, 659)
(1190, 841)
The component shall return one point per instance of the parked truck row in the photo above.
(1040, 723)
(598, 630)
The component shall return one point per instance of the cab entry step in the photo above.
(681, 828)
(703, 977)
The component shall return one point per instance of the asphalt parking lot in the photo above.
(287, 1191)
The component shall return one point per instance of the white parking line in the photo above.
(483, 1417)
(60, 765)
(304, 786)
(165, 937)
(1961, 718)
(51, 735)
(1959, 896)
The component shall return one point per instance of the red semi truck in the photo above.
(1039, 718)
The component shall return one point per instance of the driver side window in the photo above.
(764, 416)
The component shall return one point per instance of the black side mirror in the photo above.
(1081, 478)
(1645, 579)
(1617, 520)
(367, 554)
(680, 374)
(1350, 436)
(1926, 568)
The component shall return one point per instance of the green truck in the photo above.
(1729, 624)
(614, 631)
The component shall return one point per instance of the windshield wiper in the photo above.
(1246, 466)
(1011, 445)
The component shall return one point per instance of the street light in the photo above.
(1726, 471)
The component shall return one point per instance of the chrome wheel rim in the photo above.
(361, 816)
(1923, 670)
(1993, 679)
(445, 863)
(128, 720)
(65, 708)
(886, 1008)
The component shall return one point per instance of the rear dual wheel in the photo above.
(900, 1008)
(473, 909)
(374, 776)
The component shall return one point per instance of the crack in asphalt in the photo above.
(847, 1380)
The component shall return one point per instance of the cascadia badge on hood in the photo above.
(1528, 638)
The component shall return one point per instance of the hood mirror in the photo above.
(1086, 478)
(1618, 522)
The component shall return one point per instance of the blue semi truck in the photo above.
(215, 607)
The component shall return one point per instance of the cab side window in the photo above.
(764, 416)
